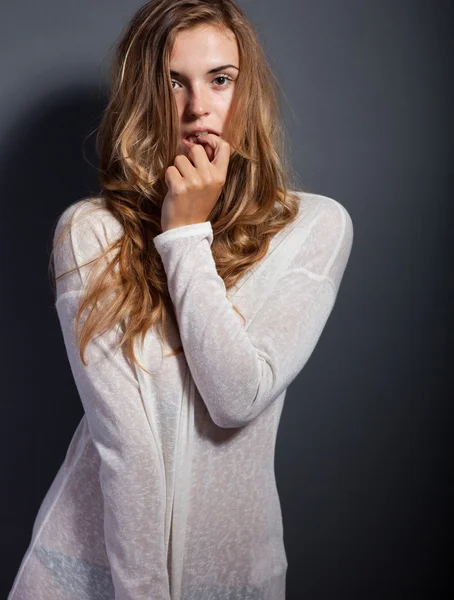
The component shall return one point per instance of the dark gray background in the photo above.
(363, 454)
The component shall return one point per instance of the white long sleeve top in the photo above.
(167, 490)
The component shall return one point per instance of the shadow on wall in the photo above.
(45, 164)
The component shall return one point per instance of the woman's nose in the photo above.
(198, 103)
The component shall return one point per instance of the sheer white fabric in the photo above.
(168, 490)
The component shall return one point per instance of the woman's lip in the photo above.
(210, 132)
(187, 143)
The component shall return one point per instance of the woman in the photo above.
(190, 292)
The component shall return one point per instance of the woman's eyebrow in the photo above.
(215, 70)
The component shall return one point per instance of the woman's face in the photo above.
(203, 98)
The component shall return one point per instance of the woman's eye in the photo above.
(226, 77)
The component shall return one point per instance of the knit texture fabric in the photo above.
(167, 490)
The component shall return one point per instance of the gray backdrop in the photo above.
(362, 460)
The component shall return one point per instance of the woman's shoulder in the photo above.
(87, 217)
(84, 231)
(326, 235)
(326, 211)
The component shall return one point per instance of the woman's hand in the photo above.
(195, 188)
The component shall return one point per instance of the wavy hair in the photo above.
(137, 140)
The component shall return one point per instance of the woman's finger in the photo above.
(222, 156)
(221, 150)
(185, 167)
(200, 158)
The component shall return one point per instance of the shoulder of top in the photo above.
(89, 214)
(326, 212)
(326, 236)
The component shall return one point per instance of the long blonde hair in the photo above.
(137, 140)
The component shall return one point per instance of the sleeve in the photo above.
(130, 476)
(240, 369)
